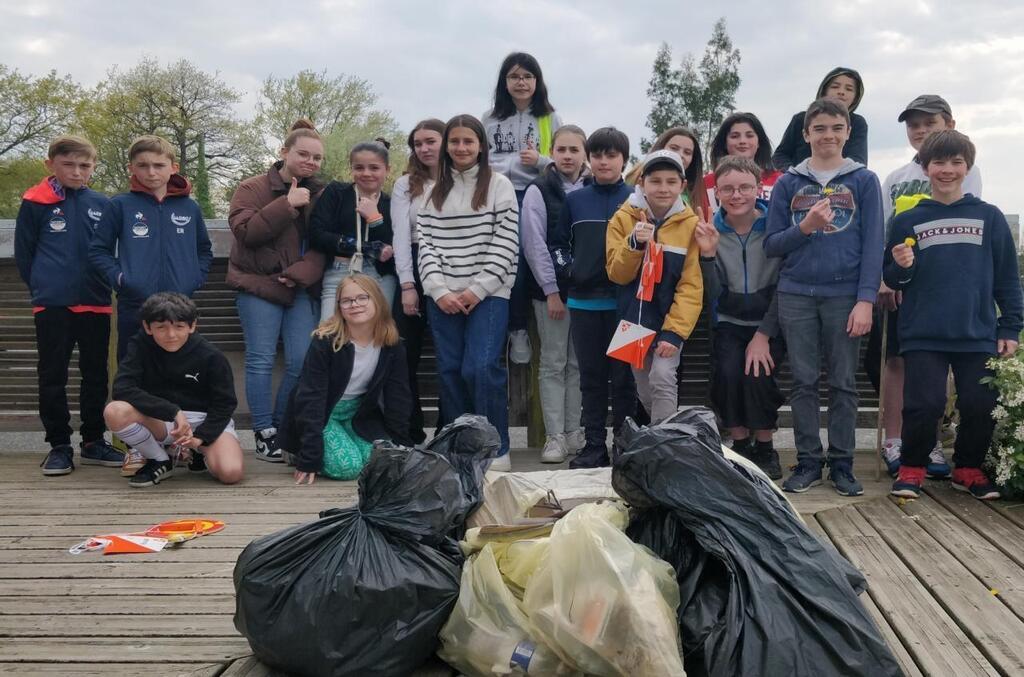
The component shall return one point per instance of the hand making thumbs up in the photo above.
(297, 197)
(529, 155)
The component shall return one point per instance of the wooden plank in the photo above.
(995, 630)
(984, 560)
(996, 529)
(937, 644)
(903, 657)
(76, 533)
(117, 625)
(180, 554)
(1013, 511)
(113, 669)
(120, 569)
(250, 666)
(137, 604)
(128, 649)
(144, 521)
(87, 587)
(224, 540)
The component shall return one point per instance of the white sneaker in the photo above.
(554, 450)
(501, 464)
(891, 451)
(519, 350)
(938, 466)
(575, 440)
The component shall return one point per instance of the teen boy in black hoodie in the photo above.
(953, 258)
(174, 388)
(843, 85)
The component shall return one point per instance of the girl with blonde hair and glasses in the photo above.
(353, 389)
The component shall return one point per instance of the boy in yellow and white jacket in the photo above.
(672, 302)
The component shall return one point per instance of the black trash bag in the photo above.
(364, 590)
(469, 442)
(759, 593)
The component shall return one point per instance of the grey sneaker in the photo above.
(806, 475)
(554, 450)
(575, 440)
(841, 475)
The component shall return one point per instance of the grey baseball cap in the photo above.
(662, 157)
(926, 103)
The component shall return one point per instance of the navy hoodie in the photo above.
(844, 259)
(159, 245)
(578, 242)
(965, 266)
(51, 244)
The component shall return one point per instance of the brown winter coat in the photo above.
(269, 234)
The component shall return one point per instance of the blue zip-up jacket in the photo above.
(965, 266)
(741, 278)
(160, 246)
(51, 246)
(843, 259)
(577, 243)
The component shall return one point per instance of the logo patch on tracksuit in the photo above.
(140, 228)
(94, 214)
(180, 220)
(58, 224)
(839, 196)
(950, 231)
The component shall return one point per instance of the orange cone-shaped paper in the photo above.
(631, 343)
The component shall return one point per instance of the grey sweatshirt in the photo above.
(507, 137)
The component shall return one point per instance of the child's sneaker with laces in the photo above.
(154, 472)
(554, 450)
(840, 473)
(908, 482)
(132, 462)
(101, 453)
(60, 461)
(938, 468)
(267, 448)
(805, 475)
(891, 450)
(974, 482)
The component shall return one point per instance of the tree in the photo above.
(709, 89)
(698, 96)
(666, 94)
(192, 109)
(16, 175)
(34, 110)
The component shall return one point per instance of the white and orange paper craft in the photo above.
(631, 343)
(153, 539)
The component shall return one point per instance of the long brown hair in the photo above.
(385, 333)
(694, 175)
(445, 180)
(418, 172)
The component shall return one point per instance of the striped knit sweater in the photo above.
(465, 248)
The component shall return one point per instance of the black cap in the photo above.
(926, 103)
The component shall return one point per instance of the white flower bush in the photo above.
(1006, 463)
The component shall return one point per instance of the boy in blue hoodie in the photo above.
(71, 304)
(741, 280)
(157, 232)
(954, 259)
(825, 222)
(577, 246)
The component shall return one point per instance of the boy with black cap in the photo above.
(925, 115)
(668, 304)
(840, 84)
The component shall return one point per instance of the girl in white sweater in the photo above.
(468, 252)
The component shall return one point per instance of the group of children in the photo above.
(518, 211)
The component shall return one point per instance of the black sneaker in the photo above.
(197, 464)
(805, 475)
(152, 473)
(101, 453)
(267, 448)
(767, 459)
(59, 461)
(591, 457)
(841, 475)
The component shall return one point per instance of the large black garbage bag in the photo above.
(468, 442)
(760, 594)
(363, 590)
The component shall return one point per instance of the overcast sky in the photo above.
(439, 58)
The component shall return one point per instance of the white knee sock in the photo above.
(138, 436)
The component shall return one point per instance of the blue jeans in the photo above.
(469, 348)
(263, 323)
(338, 271)
(810, 322)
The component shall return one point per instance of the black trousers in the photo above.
(413, 329)
(58, 330)
(743, 400)
(924, 401)
(592, 331)
(128, 324)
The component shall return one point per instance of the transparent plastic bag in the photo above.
(605, 604)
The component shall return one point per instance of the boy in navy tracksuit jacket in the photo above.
(954, 259)
(71, 304)
(825, 222)
(158, 233)
(577, 246)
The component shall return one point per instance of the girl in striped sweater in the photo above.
(468, 254)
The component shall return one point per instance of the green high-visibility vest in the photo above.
(544, 127)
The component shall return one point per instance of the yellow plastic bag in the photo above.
(487, 632)
(605, 604)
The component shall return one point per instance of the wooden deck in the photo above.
(946, 572)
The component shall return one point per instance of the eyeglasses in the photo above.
(360, 301)
(520, 77)
(745, 190)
